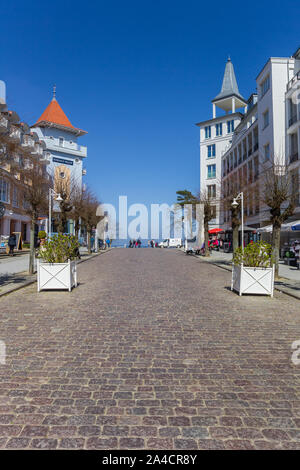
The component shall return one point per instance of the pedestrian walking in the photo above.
(12, 241)
(107, 241)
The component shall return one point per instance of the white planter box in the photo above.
(56, 275)
(246, 280)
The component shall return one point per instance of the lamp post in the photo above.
(235, 204)
(58, 198)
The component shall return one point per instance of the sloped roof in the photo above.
(229, 85)
(54, 115)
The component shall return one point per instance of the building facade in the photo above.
(216, 137)
(267, 132)
(13, 135)
(64, 153)
(292, 113)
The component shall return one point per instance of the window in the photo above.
(15, 198)
(213, 212)
(61, 141)
(267, 151)
(230, 126)
(211, 151)
(219, 129)
(264, 87)
(211, 171)
(266, 119)
(62, 175)
(4, 190)
(207, 132)
(211, 191)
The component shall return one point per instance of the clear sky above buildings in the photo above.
(138, 75)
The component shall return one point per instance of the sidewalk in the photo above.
(290, 276)
(11, 281)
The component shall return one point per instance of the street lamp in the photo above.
(235, 205)
(58, 198)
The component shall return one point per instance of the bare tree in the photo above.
(279, 195)
(229, 191)
(76, 200)
(90, 220)
(63, 187)
(208, 202)
(35, 192)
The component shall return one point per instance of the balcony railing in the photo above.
(293, 81)
(3, 124)
(292, 120)
(15, 135)
(294, 157)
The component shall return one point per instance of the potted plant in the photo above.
(56, 265)
(253, 270)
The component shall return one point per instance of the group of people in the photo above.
(152, 244)
(213, 244)
(134, 243)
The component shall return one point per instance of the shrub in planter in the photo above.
(42, 234)
(253, 270)
(58, 267)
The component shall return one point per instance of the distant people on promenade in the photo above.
(107, 241)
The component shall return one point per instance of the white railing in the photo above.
(293, 81)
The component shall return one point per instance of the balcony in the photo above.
(293, 81)
(75, 149)
(3, 124)
(28, 142)
(15, 135)
(292, 120)
(294, 157)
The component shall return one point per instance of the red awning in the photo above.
(215, 230)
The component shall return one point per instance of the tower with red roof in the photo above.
(63, 152)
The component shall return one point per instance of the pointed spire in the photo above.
(54, 93)
(229, 85)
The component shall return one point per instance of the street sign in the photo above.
(2, 210)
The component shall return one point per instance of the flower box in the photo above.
(56, 275)
(250, 280)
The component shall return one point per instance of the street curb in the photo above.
(279, 289)
(32, 281)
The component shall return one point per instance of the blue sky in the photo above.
(137, 76)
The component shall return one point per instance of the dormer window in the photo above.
(61, 141)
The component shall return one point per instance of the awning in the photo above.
(291, 226)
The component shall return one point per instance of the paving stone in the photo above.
(17, 443)
(43, 443)
(131, 443)
(102, 443)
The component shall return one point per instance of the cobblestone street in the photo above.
(151, 351)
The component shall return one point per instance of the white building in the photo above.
(293, 128)
(14, 207)
(63, 151)
(216, 135)
(260, 137)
